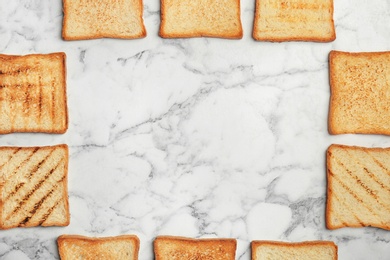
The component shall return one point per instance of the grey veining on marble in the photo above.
(197, 137)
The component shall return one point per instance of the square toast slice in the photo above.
(319, 250)
(33, 93)
(90, 19)
(294, 20)
(358, 192)
(171, 248)
(72, 247)
(200, 18)
(360, 93)
(34, 186)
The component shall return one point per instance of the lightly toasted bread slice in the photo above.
(33, 186)
(360, 93)
(309, 250)
(358, 192)
(33, 93)
(72, 247)
(177, 248)
(201, 18)
(294, 20)
(90, 19)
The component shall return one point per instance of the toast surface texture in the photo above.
(201, 18)
(34, 190)
(358, 192)
(92, 19)
(33, 93)
(175, 248)
(360, 93)
(74, 247)
(319, 250)
(294, 20)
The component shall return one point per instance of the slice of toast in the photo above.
(88, 19)
(294, 20)
(72, 247)
(358, 193)
(33, 93)
(360, 93)
(171, 248)
(309, 250)
(33, 186)
(200, 18)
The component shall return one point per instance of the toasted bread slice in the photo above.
(88, 19)
(123, 247)
(33, 186)
(200, 18)
(358, 187)
(360, 93)
(319, 250)
(33, 93)
(294, 20)
(171, 248)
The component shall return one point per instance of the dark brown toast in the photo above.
(33, 93)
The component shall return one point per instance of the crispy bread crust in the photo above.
(331, 37)
(162, 33)
(176, 239)
(66, 37)
(96, 240)
(62, 130)
(65, 192)
(332, 126)
(257, 243)
(329, 206)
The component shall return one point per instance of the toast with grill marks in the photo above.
(171, 248)
(294, 20)
(360, 93)
(33, 186)
(33, 93)
(358, 192)
(308, 250)
(200, 18)
(90, 19)
(124, 247)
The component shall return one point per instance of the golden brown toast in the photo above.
(309, 250)
(294, 20)
(33, 93)
(358, 193)
(90, 19)
(34, 189)
(177, 248)
(72, 247)
(360, 93)
(200, 18)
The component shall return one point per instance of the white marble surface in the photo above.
(195, 137)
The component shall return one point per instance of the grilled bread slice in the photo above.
(90, 19)
(273, 250)
(294, 20)
(33, 186)
(33, 93)
(358, 187)
(200, 18)
(171, 248)
(123, 247)
(360, 93)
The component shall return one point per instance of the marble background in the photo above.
(195, 137)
